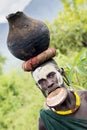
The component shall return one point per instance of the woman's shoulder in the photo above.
(83, 94)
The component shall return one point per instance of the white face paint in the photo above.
(42, 72)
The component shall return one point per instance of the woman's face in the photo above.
(48, 78)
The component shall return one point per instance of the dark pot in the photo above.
(27, 37)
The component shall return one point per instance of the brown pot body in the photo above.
(27, 37)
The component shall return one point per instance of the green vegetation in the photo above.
(20, 99)
(2, 61)
(20, 102)
(69, 29)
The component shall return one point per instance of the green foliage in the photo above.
(20, 102)
(75, 66)
(77, 71)
(69, 29)
(2, 61)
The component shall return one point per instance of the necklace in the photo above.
(77, 105)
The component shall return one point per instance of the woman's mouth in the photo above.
(52, 89)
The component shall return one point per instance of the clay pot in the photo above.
(27, 37)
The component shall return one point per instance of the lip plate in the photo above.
(56, 97)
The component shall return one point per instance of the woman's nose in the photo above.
(49, 83)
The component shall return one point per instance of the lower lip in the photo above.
(51, 90)
(56, 97)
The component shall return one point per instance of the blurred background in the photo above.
(20, 99)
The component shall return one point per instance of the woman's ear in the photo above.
(61, 71)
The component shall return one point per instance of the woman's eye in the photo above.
(51, 75)
(42, 82)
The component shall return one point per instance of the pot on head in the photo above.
(27, 37)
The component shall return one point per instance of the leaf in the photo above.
(81, 70)
(79, 1)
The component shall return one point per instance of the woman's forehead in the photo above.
(42, 72)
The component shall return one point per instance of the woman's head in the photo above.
(48, 76)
